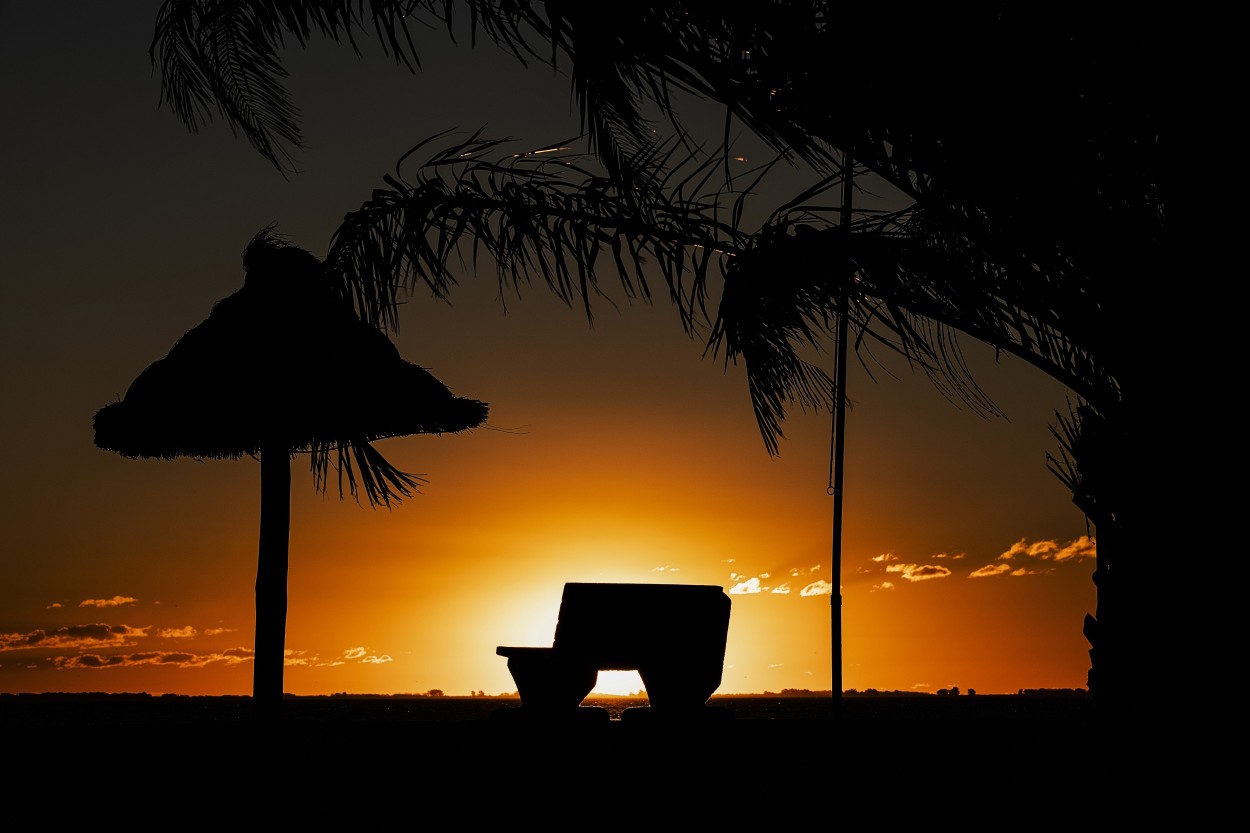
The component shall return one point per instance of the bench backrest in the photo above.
(619, 626)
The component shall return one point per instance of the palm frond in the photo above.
(911, 289)
(221, 58)
(1090, 462)
(981, 249)
(361, 467)
(781, 298)
(548, 217)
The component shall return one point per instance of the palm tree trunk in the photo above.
(275, 528)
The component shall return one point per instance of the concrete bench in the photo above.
(673, 635)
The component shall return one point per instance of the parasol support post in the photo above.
(271, 577)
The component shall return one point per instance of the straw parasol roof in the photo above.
(285, 360)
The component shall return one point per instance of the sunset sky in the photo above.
(617, 452)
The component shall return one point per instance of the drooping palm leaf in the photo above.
(769, 64)
(222, 57)
(542, 217)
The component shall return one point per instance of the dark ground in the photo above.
(392, 763)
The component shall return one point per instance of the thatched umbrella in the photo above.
(284, 365)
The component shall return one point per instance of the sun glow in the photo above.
(617, 683)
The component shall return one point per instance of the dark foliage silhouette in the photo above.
(1031, 148)
(284, 365)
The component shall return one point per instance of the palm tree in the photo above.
(1030, 150)
(250, 380)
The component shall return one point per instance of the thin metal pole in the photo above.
(839, 436)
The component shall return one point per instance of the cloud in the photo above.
(919, 572)
(300, 658)
(97, 661)
(303, 659)
(54, 606)
(1048, 552)
(90, 636)
(93, 646)
(990, 570)
(361, 654)
(116, 601)
(1083, 547)
(218, 631)
(742, 588)
(666, 569)
(802, 571)
(885, 585)
(179, 659)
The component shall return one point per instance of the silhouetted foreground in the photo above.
(423, 760)
(284, 365)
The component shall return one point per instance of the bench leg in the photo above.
(547, 683)
(674, 688)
